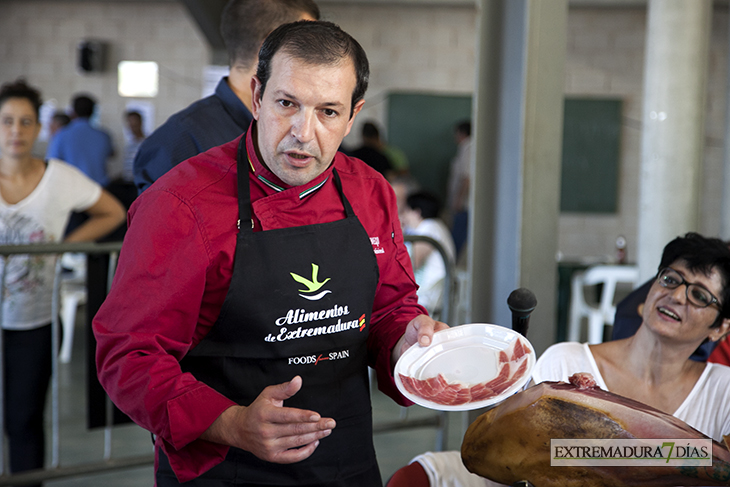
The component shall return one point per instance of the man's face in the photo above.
(135, 124)
(302, 116)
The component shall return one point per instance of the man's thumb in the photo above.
(286, 390)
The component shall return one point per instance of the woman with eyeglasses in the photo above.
(36, 200)
(688, 303)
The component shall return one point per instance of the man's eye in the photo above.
(329, 112)
(286, 103)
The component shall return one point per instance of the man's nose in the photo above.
(303, 127)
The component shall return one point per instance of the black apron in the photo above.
(299, 303)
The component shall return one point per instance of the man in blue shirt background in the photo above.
(82, 145)
(226, 114)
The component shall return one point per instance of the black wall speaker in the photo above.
(92, 56)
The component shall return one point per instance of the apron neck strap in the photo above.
(244, 192)
(345, 202)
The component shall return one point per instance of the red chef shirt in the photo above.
(175, 268)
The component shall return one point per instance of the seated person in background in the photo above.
(402, 187)
(687, 303)
(419, 216)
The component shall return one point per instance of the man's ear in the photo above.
(355, 110)
(255, 96)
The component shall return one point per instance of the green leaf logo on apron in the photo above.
(312, 285)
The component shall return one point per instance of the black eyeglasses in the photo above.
(696, 293)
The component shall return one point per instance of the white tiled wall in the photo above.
(427, 48)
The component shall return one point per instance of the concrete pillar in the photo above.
(675, 78)
(725, 209)
(516, 171)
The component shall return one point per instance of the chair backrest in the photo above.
(610, 276)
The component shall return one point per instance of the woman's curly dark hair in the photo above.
(20, 89)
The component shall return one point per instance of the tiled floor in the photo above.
(80, 446)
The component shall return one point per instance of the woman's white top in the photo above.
(706, 408)
(39, 218)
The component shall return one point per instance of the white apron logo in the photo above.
(313, 285)
(315, 359)
(375, 242)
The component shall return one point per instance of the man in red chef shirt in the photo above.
(256, 283)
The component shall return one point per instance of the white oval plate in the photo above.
(465, 355)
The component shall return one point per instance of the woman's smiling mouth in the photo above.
(667, 312)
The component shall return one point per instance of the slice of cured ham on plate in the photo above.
(466, 367)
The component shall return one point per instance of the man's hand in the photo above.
(270, 431)
(420, 330)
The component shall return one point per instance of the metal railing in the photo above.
(56, 470)
(448, 315)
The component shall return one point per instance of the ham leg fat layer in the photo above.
(512, 367)
(511, 442)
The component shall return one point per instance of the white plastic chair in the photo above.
(609, 276)
(73, 294)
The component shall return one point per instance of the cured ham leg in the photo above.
(511, 442)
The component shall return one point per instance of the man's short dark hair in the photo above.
(246, 23)
(370, 131)
(464, 128)
(316, 43)
(135, 114)
(428, 203)
(20, 89)
(84, 106)
(702, 254)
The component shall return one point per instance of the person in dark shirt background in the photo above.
(369, 152)
(226, 114)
